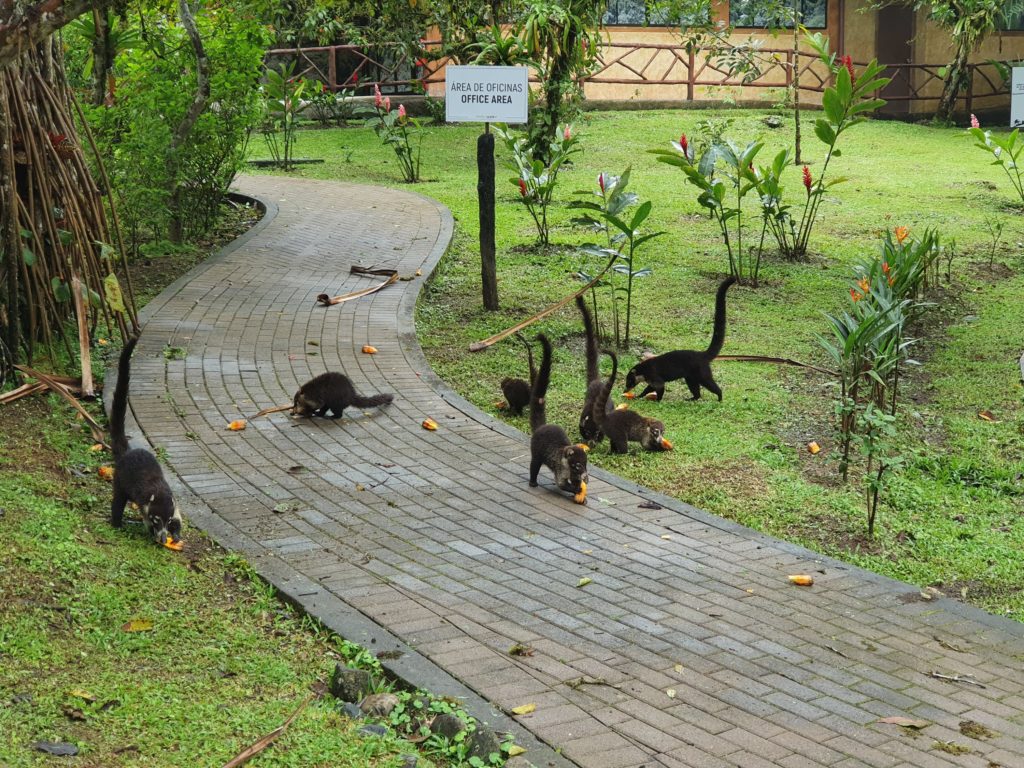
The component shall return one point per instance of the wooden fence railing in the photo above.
(653, 65)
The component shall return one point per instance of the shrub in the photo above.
(398, 131)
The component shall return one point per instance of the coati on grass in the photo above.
(332, 392)
(623, 426)
(689, 364)
(589, 429)
(138, 477)
(549, 445)
(517, 391)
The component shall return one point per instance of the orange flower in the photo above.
(855, 296)
(901, 234)
(885, 267)
(863, 284)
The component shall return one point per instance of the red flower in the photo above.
(421, 62)
(378, 100)
(355, 78)
(885, 267)
(855, 296)
(56, 139)
(807, 179)
(387, 103)
(567, 133)
(401, 112)
(848, 63)
(522, 188)
(600, 182)
(685, 145)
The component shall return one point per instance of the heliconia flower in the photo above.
(807, 179)
(401, 112)
(892, 279)
(855, 296)
(600, 182)
(974, 122)
(863, 284)
(522, 188)
(378, 100)
(901, 234)
(567, 133)
(848, 63)
(885, 267)
(387, 103)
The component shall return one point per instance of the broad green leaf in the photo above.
(833, 104)
(823, 130)
(28, 256)
(112, 290)
(60, 289)
(640, 216)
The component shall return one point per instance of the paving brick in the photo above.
(449, 548)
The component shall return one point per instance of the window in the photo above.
(1013, 20)
(776, 13)
(652, 13)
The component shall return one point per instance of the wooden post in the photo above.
(485, 197)
(79, 294)
(332, 69)
(690, 65)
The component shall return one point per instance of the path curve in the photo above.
(688, 647)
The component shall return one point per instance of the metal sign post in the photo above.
(1017, 98)
(485, 95)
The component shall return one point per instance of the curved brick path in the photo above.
(437, 539)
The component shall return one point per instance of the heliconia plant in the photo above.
(1005, 152)
(536, 181)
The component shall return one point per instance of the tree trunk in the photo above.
(102, 57)
(955, 79)
(796, 93)
(22, 30)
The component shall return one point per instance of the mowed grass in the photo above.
(223, 664)
(951, 518)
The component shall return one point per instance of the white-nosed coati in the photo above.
(623, 426)
(549, 445)
(332, 392)
(689, 364)
(138, 477)
(517, 391)
(589, 429)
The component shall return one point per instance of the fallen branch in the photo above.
(55, 385)
(392, 275)
(272, 409)
(254, 749)
(956, 679)
(23, 391)
(782, 360)
(478, 346)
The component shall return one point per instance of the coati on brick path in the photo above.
(332, 392)
(689, 364)
(623, 426)
(517, 391)
(549, 445)
(589, 429)
(138, 477)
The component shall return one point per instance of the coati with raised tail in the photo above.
(549, 445)
(590, 430)
(689, 364)
(517, 391)
(138, 477)
(623, 426)
(332, 392)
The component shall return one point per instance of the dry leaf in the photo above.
(813, 447)
(524, 709)
(368, 350)
(986, 415)
(237, 425)
(584, 581)
(665, 536)
(107, 473)
(802, 579)
(137, 625)
(429, 424)
(670, 692)
(515, 750)
(79, 693)
(905, 722)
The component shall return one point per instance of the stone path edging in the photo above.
(451, 553)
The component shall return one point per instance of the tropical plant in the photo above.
(328, 107)
(876, 434)
(400, 132)
(283, 93)
(1005, 151)
(722, 193)
(623, 238)
(537, 179)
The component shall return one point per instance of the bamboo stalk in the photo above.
(83, 336)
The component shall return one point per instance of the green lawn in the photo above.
(952, 518)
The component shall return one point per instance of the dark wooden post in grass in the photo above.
(485, 197)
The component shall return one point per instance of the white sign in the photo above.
(1017, 98)
(486, 94)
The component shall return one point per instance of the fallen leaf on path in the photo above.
(987, 416)
(515, 750)
(802, 579)
(137, 625)
(584, 581)
(79, 693)
(524, 709)
(905, 722)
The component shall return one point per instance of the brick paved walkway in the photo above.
(437, 538)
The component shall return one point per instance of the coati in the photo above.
(138, 477)
(549, 444)
(589, 429)
(517, 391)
(623, 426)
(332, 392)
(689, 364)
